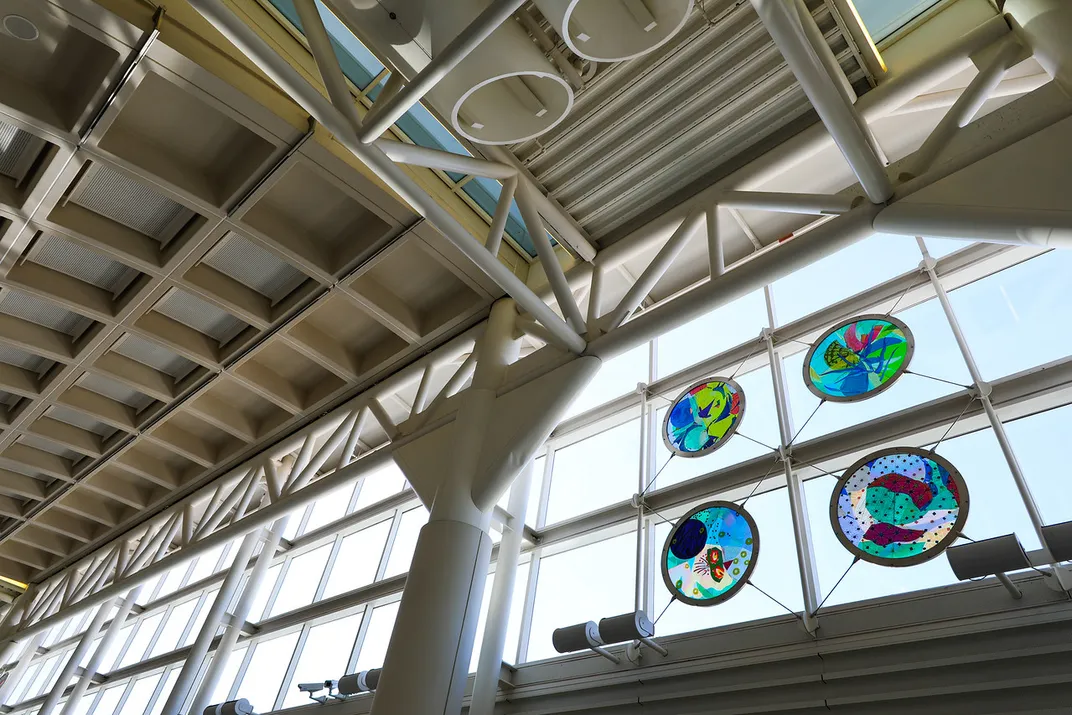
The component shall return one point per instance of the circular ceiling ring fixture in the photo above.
(20, 28)
(607, 31)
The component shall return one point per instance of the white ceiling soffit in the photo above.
(203, 317)
(644, 133)
(155, 356)
(129, 202)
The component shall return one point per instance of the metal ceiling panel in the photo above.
(155, 356)
(51, 447)
(18, 150)
(8, 400)
(663, 125)
(203, 317)
(75, 260)
(115, 391)
(80, 420)
(40, 311)
(255, 267)
(132, 203)
(27, 361)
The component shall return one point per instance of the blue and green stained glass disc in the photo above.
(703, 417)
(710, 553)
(858, 359)
(899, 507)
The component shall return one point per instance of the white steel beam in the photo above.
(291, 81)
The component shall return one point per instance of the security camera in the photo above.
(311, 687)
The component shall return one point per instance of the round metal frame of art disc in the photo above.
(702, 566)
(922, 497)
(852, 347)
(732, 411)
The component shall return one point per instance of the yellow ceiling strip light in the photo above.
(13, 582)
(867, 34)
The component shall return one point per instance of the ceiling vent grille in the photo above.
(27, 361)
(18, 151)
(79, 262)
(115, 391)
(40, 311)
(255, 267)
(155, 356)
(203, 317)
(51, 447)
(130, 202)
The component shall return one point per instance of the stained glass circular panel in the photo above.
(899, 507)
(703, 417)
(710, 553)
(858, 359)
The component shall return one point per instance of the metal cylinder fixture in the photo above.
(363, 682)
(1059, 540)
(615, 30)
(579, 637)
(505, 91)
(987, 557)
(231, 707)
(626, 627)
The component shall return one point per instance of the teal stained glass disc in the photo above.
(899, 507)
(710, 553)
(858, 359)
(703, 417)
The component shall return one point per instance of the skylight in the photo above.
(885, 17)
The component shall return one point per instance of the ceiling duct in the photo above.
(615, 30)
(505, 91)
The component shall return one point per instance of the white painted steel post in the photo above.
(432, 640)
(642, 480)
(798, 508)
(489, 664)
(982, 390)
(75, 658)
(95, 661)
(502, 215)
(184, 684)
(716, 254)
(965, 108)
(320, 108)
(239, 617)
(17, 673)
(839, 117)
(14, 613)
(497, 12)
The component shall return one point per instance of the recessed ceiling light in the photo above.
(20, 28)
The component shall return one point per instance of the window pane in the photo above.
(776, 573)
(301, 580)
(1009, 317)
(221, 693)
(324, 656)
(199, 619)
(42, 677)
(139, 695)
(616, 377)
(380, 484)
(173, 581)
(83, 705)
(847, 272)
(161, 700)
(145, 632)
(256, 610)
(205, 565)
(330, 507)
(885, 17)
(595, 472)
(359, 556)
(173, 627)
(1039, 444)
(718, 331)
(760, 423)
(566, 595)
(19, 693)
(406, 541)
(377, 638)
(108, 661)
(110, 698)
(260, 684)
(89, 653)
